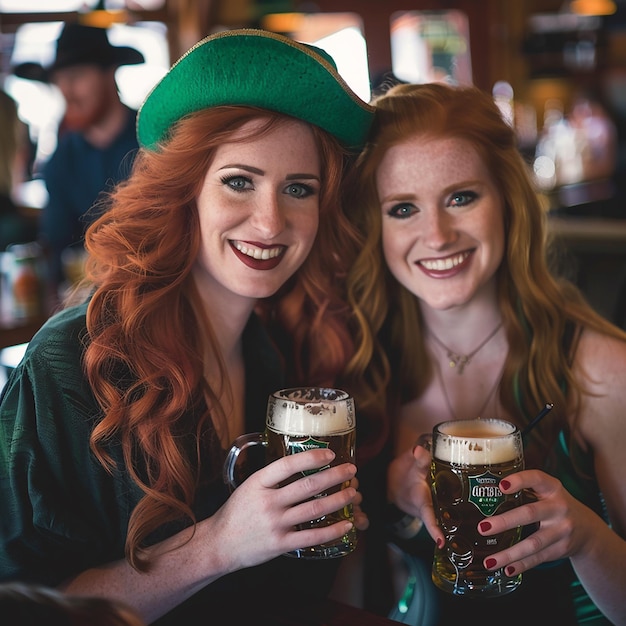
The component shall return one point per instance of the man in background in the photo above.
(97, 140)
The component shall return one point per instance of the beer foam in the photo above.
(319, 417)
(477, 442)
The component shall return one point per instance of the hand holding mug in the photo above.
(261, 521)
(301, 419)
(469, 459)
(408, 487)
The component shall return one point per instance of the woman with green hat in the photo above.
(227, 241)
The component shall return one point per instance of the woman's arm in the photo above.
(567, 527)
(408, 488)
(256, 524)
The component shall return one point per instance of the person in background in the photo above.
(14, 227)
(36, 605)
(466, 320)
(217, 272)
(96, 139)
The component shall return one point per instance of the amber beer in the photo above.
(300, 419)
(470, 457)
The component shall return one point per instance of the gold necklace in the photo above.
(461, 360)
(485, 404)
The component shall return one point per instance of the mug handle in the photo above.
(425, 441)
(239, 445)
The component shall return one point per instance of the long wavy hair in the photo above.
(148, 332)
(542, 314)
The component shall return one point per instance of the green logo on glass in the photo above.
(485, 494)
(308, 444)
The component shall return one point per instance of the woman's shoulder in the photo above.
(599, 367)
(600, 353)
(61, 336)
(49, 385)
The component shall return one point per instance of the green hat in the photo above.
(255, 68)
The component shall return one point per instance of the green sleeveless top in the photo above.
(550, 593)
(576, 472)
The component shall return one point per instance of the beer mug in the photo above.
(469, 458)
(300, 419)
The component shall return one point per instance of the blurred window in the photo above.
(47, 6)
(339, 34)
(430, 46)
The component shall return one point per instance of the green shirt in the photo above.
(61, 511)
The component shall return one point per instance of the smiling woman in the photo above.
(258, 209)
(455, 258)
(215, 278)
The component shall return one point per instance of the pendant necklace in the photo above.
(461, 360)
(485, 404)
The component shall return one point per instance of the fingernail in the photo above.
(505, 484)
(510, 570)
(485, 526)
(489, 563)
(440, 543)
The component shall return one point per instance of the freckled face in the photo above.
(442, 219)
(259, 212)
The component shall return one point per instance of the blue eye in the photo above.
(237, 183)
(463, 198)
(299, 190)
(402, 211)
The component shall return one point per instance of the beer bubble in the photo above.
(477, 442)
(311, 411)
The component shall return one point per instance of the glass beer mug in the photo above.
(299, 419)
(469, 458)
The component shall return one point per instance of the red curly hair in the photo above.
(148, 331)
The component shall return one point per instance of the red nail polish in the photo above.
(510, 570)
(505, 484)
(440, 543)
(485, 526)
(489, 563)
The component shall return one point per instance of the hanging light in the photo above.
(593, 7)
(103, 18)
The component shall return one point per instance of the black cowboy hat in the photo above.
(78, 45)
